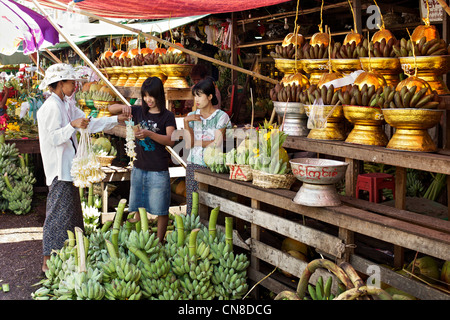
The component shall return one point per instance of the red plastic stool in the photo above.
(373, 183)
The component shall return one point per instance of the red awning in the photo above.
(158, 9)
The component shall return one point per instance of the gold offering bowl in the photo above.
(389, 68)
(345, 66)
(131, 76)
(176, 75)
(84, 107)
(122, 76)
(430, 69)
(333, 129)
(154, 70)
(318, 177)
(102, 107)
(315, 68)
(294, 117)
(141, 75)
(288, 66)
(411, 128)
(367, 125)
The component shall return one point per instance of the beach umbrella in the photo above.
(21, 25)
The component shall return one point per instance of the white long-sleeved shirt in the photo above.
(55, 133)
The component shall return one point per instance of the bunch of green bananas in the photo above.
(19, 194)
(434, 47)
(166, 288)
(171, 58)
(314, 51)
(120, 268)
(159, 268)
(119, 289)
(146, 241)
(413, 98)
(229, 277)
(269, 165)
(321, 291)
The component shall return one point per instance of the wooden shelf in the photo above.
(171, 93)
(438, 162)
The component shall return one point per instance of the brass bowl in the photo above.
(430, 69)
(141, 75)
(154, 70)
(131, 76)
(288, 66)
(176, 75)
(367, 125)
(81, 103)
(315, 68)
(102, 107)
(389, 68)
(345, 66)
(333, 130)
(411, 128)
(122, 76)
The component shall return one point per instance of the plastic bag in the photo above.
(86, 168)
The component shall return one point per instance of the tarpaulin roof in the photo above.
(158, 9)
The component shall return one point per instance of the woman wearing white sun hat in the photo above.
(58, 122)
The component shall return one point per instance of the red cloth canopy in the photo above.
(158, 9)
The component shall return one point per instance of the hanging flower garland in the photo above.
(130, 145)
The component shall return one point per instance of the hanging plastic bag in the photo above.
(86, 168)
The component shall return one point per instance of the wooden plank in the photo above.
(409, 216)
(431, 162)
(383, 228)
(29, 145)
(315, 238)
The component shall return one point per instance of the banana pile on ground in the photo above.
(16, 182)
(286, 52)
(348, 50)
(171, 57)
(125, 261)
(434, 47)
(378, 49)
(215, 159)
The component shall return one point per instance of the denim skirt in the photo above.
(149, 190)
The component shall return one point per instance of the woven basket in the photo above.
(105, 161)
(242, 172)
(277, 181)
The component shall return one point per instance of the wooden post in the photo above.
(351, 176)
(234, 61)
(255, 232)
(400, 203)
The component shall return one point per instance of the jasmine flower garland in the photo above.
(130, 145)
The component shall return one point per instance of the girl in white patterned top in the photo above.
(205, 126)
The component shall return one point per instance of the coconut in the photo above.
(425, 268)
(423, 30)
(320, 38)
(353, 37)
(370, 78)
(290, 244)
(95, 87)
(296, 78)
(86, 86)
(412, 81)
(382, 34)
(298, 255)
(104, 143)
(292, 38)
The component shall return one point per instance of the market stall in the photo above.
(344, 105)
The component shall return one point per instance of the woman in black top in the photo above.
(150, 180)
